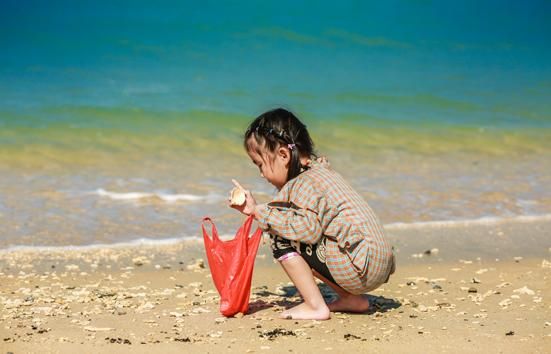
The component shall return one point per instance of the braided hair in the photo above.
(279, 127)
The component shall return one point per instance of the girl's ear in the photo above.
(284, 154)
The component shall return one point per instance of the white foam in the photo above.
(169, 198)
(148, 242)
(151, 242)
(467, 222)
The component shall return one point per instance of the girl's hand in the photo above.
(249, 206)
(322, 160)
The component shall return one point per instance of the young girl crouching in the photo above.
(319, 226)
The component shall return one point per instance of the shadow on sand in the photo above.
(288, 296)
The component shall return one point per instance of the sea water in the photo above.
(123, 122)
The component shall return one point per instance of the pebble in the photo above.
(198, 265)
(200, 310)
(145, 307)
(72, 267)
(139, 261)
(216, 334)
(422, 308)
(431, 251)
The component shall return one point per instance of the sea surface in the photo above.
(122, 122)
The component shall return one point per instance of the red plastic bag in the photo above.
(231, 265)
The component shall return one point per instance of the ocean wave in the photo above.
(132, 243)
(151, 242)
(490, 220)
(165, 197)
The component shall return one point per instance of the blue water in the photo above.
(401, 60)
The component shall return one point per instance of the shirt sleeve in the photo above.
(296, 213)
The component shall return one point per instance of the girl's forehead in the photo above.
(255, 150)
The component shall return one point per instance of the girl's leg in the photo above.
(314, 306)
(346, 302)
(299, 272)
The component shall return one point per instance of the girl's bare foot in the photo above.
(350, 303)
(306, 312)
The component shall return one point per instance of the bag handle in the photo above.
(246, 227)
(212, 229)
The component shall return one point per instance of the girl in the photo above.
(317, 223)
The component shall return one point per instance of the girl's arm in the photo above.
(299, 223)
(293, 224)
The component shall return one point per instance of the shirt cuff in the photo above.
(261, 214)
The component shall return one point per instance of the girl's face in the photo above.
(274, 166)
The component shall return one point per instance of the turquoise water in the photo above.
(123, 121)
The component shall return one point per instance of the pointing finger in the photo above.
(237, 184)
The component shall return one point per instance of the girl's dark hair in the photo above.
(281, 127)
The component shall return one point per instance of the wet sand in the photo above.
(458, 288)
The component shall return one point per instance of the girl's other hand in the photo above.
(322, 160)
(249, 206)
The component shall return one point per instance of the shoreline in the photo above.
(488, 221)
(480, 288)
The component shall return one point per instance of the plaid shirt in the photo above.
(325, 205)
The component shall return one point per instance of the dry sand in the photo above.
(482, 288)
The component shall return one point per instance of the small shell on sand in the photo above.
(524, 291)
(98, 329)
(237, 196)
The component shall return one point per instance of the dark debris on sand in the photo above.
(276, 332)
(349, 336)
(118, 340)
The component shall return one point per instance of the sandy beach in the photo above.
(480, 287)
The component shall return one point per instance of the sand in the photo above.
(458, 288)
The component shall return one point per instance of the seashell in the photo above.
(237, 196)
